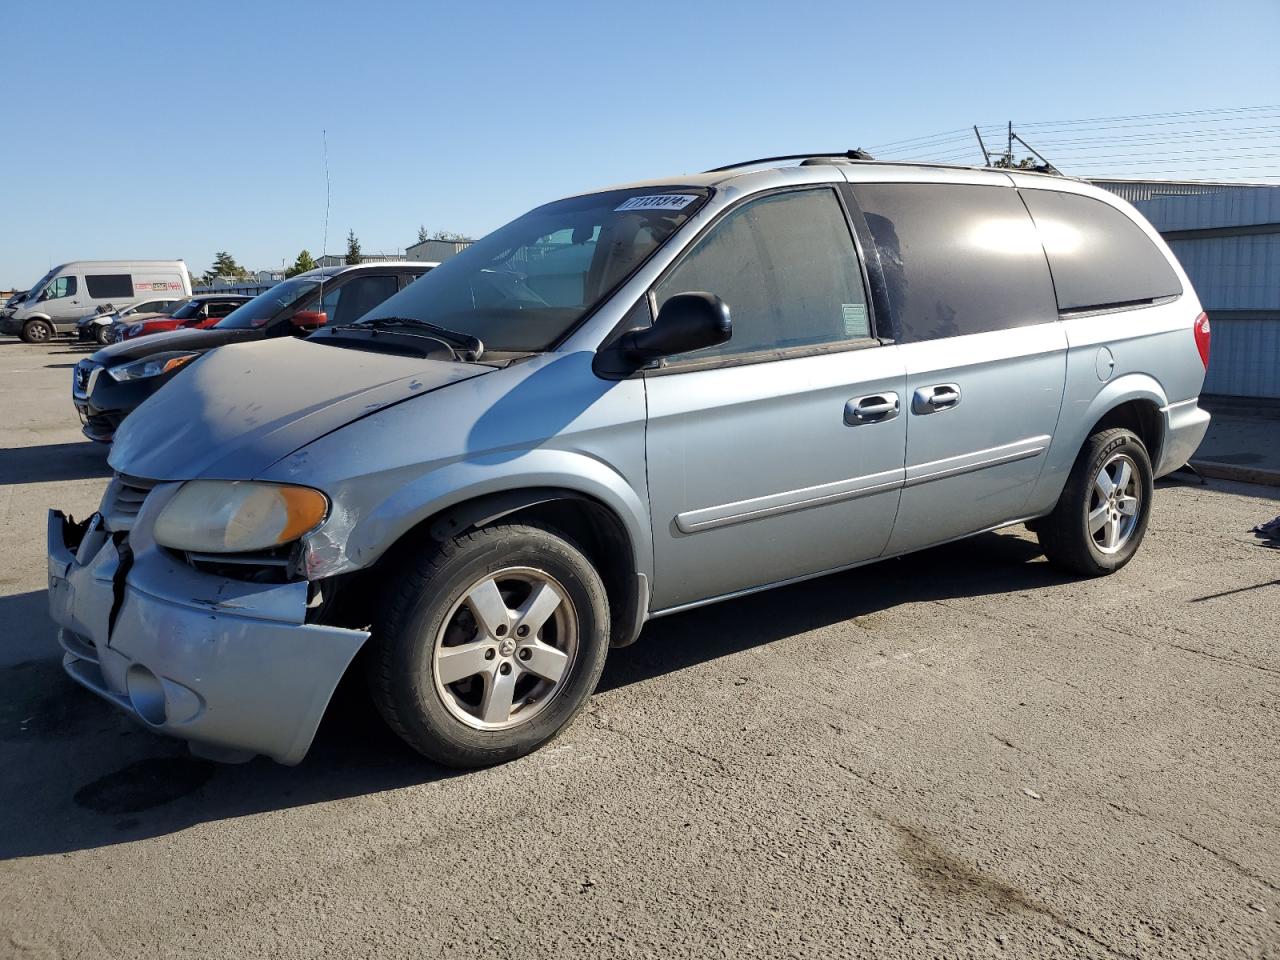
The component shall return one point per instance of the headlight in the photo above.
(233, 516)
(151, 366)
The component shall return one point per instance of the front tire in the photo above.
(1101, 517)
(37, 331)
(103, 334)
(489, 644)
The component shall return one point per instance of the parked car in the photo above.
(619, 406)
(67, 292)
(109, 384)
(97, 326)
(199, 313)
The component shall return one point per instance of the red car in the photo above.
(197, 313)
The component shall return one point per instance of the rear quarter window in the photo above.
(957, 258)
(1098, 255)
(107, 285)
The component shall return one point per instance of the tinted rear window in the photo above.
(957, 258)
(109, 285)
(1098, 255)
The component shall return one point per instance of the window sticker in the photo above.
(855, 319)
(660, 201)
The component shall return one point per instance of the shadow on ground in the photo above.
(53, 461)
(80, 775)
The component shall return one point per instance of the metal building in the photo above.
(1227, 237)
(435, 251)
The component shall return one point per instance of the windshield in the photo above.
(154, 306)
(264, 306)
(184, 312)
(526, 285)
(38, 287)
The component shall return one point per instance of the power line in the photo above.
(1149, 116)
(1163, 135)
(1185, 161)
(912, 140)
(1133, 126)
(1200, 151)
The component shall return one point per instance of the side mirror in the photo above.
(687, 321)
(309, 319)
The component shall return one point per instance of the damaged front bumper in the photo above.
(229, 666)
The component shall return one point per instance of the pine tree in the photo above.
(224, 265)
(423, 235)
(304, 263)
(353, 247)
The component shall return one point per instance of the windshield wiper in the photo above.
(473, 346)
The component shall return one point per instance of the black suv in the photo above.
(112, 382)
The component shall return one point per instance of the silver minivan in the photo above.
(619, 406)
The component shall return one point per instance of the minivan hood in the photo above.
(238, 410)
(148, 346)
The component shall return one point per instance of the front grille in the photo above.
(84, 376)
(123, 500)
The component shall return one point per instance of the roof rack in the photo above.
(856, 154)
(859, 155)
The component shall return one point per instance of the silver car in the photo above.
(619, 406)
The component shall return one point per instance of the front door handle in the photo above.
(940, 396)
(874, 408)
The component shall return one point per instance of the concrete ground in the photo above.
(1242, 444)
(959, 754)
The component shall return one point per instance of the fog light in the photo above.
(146, 694)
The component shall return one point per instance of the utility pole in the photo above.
(1008, 153)
(1050, 168)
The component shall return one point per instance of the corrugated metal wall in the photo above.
(1232, 274)
(1135, 190)
(1244, 358)
(1224, 207)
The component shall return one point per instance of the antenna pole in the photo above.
(324, 245)
(982, 146)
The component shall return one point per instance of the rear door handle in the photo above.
(940, 396)
(874, 408)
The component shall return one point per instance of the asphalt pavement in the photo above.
(957, 754)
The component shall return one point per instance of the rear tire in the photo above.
(489, 644)
(37, 331)
(1102, 514)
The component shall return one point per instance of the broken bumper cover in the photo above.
(1185, 425)
(231, 667)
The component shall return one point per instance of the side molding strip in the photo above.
(977, 460)
(708, 518)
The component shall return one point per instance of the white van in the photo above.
(67, 292)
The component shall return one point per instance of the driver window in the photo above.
(61, 287)
(350, 302)
(786, 266)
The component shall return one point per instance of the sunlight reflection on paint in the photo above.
(1059, 238)
(1006, 236)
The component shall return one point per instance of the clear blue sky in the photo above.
(174, 130)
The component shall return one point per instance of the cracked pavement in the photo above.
(957, 754)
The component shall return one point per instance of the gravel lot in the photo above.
(961, 753)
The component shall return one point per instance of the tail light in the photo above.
(1201, 330)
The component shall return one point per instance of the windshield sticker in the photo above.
(661, 201)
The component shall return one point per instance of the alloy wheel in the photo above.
(1115, 504)
(506, 648)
